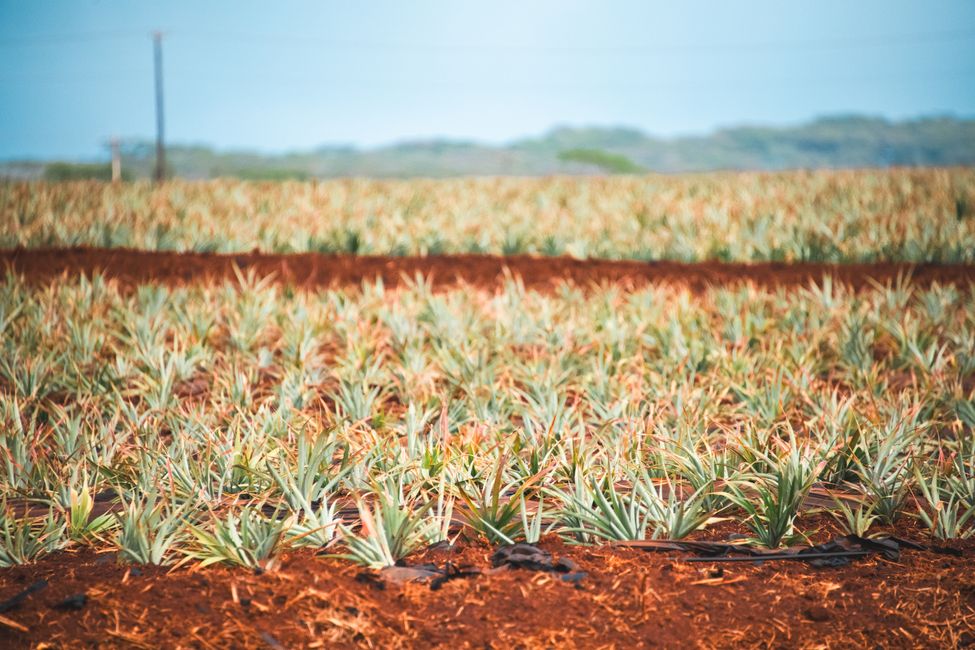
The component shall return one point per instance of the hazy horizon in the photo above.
(103, 153)
(244, 77)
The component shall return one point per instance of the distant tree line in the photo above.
(66, 171)
(831, 142)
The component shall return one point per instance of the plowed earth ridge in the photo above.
(132, 267)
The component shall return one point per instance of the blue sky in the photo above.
(295, 75)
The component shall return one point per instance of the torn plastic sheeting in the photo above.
(528, 556)
(425, 572)
(18, 599)
(836, 552)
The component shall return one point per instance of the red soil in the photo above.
(312, 270)
(629, 598)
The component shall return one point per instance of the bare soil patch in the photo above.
(624, 598)
(542, 273)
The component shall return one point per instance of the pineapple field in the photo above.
(717, 410)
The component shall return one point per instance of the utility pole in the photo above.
(116, 161)
(160, 123)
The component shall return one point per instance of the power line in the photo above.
(69, 37)
(823, 43)
(917, 74)
(868, 40)
(198, 75)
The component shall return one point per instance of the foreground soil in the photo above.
(627, 598)
(316, 270)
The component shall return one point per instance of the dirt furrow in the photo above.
(541, 273)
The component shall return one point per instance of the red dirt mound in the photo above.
(313, 270)
(627, 598)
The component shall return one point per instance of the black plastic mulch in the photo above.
(838, 552)
(834, 553)
(514, 556)
(18, 599)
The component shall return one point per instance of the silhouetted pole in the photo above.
(116, 162)
(160, 147)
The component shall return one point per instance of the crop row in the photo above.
(226, 423)
(828, 216)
